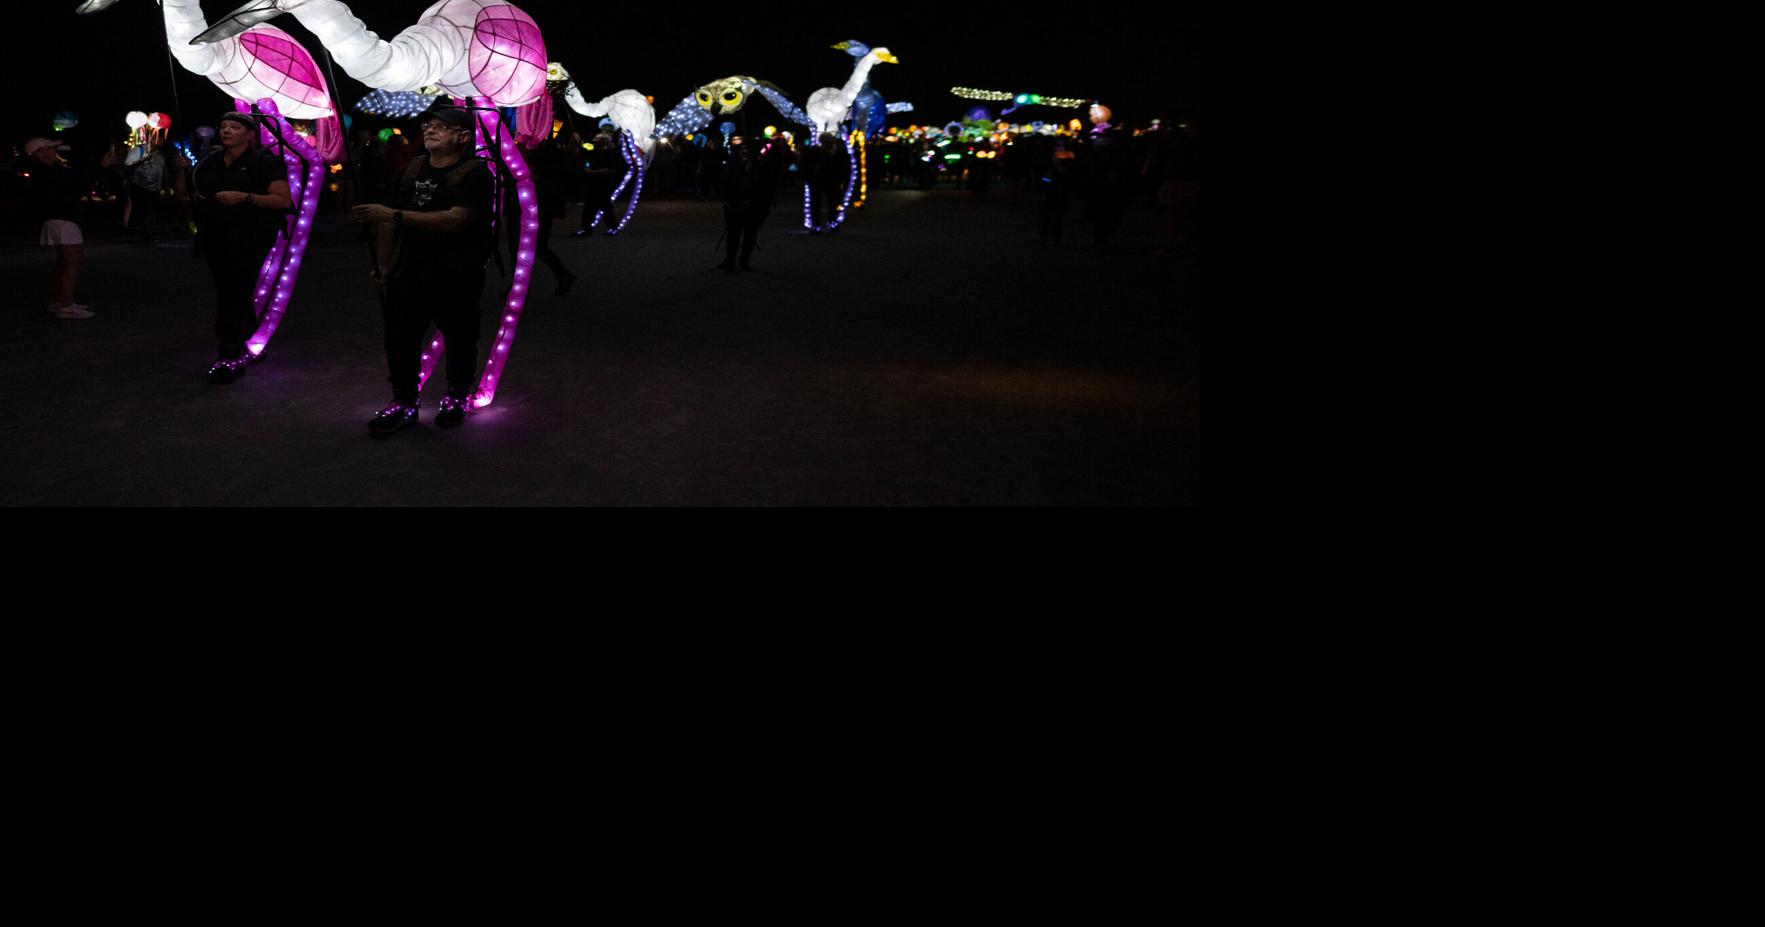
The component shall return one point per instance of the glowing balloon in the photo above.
(1100, 114)
(65, 121)
(135, 120)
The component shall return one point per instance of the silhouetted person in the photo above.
(747, 197)
(827, 170)
(1113, 174)
(52, 194)
(1059, 179)
(549, 165)
(242, 197)
(434, 240)
(599, 179)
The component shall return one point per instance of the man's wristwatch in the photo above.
(248, 199)
(398, 217)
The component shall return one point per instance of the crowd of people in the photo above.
(428, 205)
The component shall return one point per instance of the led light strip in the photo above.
(863, 171)
(281, 267)
(840, 216)
(489, 125)
(1000, 96)
(634, 166)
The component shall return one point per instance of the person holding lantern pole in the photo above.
(241, 192)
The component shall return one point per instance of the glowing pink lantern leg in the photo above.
(281, 267)
(488, 124)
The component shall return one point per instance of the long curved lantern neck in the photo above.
(184, 21)
(860, 76)
(420, 55)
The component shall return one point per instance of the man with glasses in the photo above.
(434, 239)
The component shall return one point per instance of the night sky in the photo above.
(105, 65)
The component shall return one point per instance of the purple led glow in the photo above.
(839, 216)
(281, 267)
(635, 167)
(488, 125)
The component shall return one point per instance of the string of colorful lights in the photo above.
(397, 104)
(634, 167)
(1021, 99)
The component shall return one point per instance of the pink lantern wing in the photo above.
(285, 67)
(507, 57)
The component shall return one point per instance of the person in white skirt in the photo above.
(54, 194)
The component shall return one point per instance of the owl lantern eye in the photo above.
(732, 97)
(704, 98)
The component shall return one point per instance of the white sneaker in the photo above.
(71, 312)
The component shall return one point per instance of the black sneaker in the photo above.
(452, 411)
(227, 369)
(396, 415)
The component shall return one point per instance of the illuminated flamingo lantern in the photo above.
(634, 117)
(486, 53)
(830, 108)
(263, 66)
(870, 113)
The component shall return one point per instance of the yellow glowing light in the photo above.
(651, 100)
(336, 168)
(771, 131)
(863, 170)
(397, 131)
(588, 146)
(1075, 125)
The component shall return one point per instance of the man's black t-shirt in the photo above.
(253, 173)
(429, 253)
